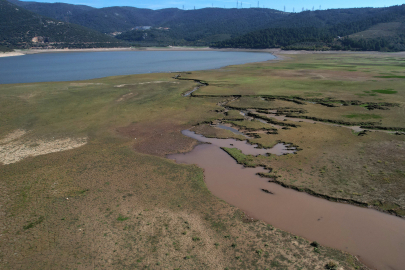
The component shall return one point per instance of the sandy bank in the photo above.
(281, 54)
(8, 54)
(35, 51)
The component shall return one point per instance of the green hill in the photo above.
(18, 27)
(366, 31)
(354, 28)
(58, 11)
(121, 19)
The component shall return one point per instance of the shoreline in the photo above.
(10, 54)
(38, 51)
(279, 53)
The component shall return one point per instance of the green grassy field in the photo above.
(118, 203)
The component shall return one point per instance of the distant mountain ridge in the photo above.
(345, 34)
(235, 28)
(202, 22)
(20, 28)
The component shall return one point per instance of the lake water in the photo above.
(73, 66)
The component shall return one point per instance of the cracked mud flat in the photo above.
(377, 239)
(14, 147)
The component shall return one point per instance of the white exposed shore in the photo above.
(276, 52)
(36, 51)
(9, 54)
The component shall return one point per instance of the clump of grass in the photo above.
(33, 224)
(236, 154)
(122, 218)
(331, 265)
(196, 239)
(390, 77)
(385, 91)
(81, 192)
(315, 244)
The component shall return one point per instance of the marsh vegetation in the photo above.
(137, 204)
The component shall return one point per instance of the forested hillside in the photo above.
(340, 35)
(18, 27)
(58, 11)
(120, 19)
(239, 28)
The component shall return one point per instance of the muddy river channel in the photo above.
(376, 238)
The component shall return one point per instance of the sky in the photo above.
(289, 4)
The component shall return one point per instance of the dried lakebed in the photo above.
(378, 239)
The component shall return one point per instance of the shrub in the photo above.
(331, 265)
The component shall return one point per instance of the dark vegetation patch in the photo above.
(122, 218)
(385, 91)
(391, 77)
(253, 125)
(34, 223)
(271, 121)
(363, 116)
(328, 102)
(333, 121)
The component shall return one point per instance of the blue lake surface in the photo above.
(73, 66)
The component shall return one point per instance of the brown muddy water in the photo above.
(246, 148)
(377, 239)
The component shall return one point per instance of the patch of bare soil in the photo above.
(124, 97)
(84, 84)
(142, 83)
(27, 96)
(158, 139)
(16, 134)
(14, 147)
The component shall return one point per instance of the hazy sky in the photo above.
(289, 4)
